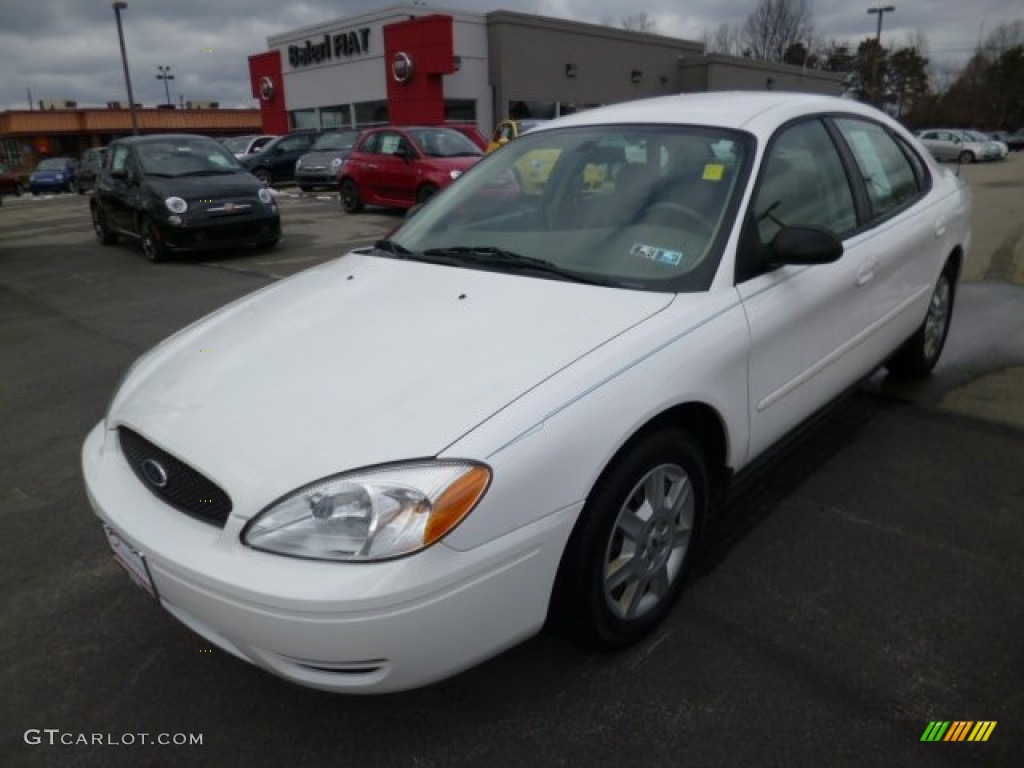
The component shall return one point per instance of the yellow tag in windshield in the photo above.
(713, 172)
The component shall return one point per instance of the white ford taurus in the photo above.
(395, 465)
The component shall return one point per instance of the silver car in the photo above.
(319, 167)
(956, 145)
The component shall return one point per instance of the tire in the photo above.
(626, 560)
(99, 225)
(918, 355)
(263, 175)
(305, 188)
(152, 244)
(70, 187)
(350, 201)
(966, 157)
(426, 192)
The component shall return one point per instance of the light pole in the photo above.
(880, 11)
(120, 5)
(165, 75)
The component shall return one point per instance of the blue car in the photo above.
(54, 174)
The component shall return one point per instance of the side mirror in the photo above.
(804, 245)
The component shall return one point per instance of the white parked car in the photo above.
(395, 465)
(959, 146)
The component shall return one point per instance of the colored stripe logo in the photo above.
(958, 730)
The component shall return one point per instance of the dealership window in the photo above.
(304, 119)
(371, 113)
(460, 110)
(336, 117)
(545, 110)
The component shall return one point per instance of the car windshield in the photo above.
(329, 141)
(645, 207)
(976, 136)
(444, 142)
(238, 144)
(53, 164)
(186, 157)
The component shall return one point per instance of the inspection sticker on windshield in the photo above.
(656, 254)
(714, 172)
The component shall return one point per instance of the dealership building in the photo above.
(414, 65)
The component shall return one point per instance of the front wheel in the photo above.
(625, 562)
(966, 157)
(426, 192)
(152, 241)
(919, 354)
(350, 201)
(263, 175)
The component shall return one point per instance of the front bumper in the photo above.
(224, 233)
(347, 627)
(317, 177)
(49, 185)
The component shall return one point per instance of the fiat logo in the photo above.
(154, 472)
(266, 88)
(401, 67)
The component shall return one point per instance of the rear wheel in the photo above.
(350, 201)
(966, 157)
(919, 354)
(627, 557)
(152, 241)
(263, 175)
(99, 225)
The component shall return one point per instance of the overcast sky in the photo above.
(68, 49)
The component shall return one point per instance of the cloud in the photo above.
(68, 49)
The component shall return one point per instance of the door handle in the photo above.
(940, 226)
(866, 273)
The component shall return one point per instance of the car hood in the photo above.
(358, 362)
(51, 174)
(324, 158)
(453, 163)
(241, 184)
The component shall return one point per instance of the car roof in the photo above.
(742, 110)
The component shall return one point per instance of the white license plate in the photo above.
(131, 560)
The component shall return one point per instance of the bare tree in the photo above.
(726, 39)
(639, 22)
(775, 25)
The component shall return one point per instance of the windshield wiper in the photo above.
(393, 248)
(489, 256)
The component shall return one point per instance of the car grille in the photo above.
(240, 231)
(183, 488)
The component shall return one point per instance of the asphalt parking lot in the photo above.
(866, 582)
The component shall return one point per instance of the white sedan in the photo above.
(393, 466)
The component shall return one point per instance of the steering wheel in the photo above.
(688, 213)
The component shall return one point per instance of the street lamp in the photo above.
(880, 11)
(165, 75)
(120, 5)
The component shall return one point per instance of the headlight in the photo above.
(371, 514)
(265, 197)
(32, 177)
(454, 174)
(176, 205)
(60, 177)
(336, 163)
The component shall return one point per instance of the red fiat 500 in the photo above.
(400, 167)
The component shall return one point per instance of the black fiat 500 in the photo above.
(176, 193)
